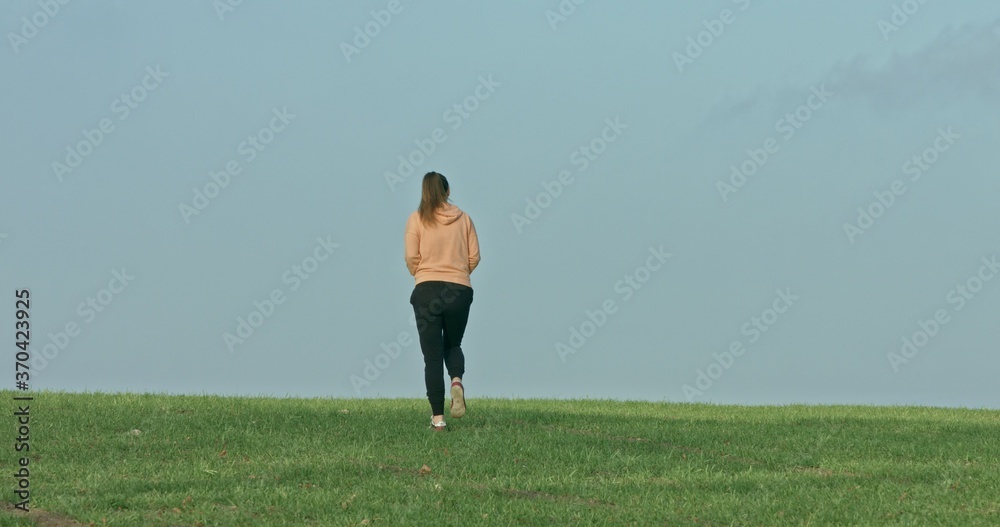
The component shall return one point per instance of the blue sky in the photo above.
(825, 107)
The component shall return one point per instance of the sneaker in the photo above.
(438, 427)
(457, 399)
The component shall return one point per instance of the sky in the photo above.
(730, 201)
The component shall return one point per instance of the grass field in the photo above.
(131, 459)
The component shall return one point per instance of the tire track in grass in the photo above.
(695, 450)
(629, 439)
(516, 493)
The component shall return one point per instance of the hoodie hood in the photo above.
(448, 214)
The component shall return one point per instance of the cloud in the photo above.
(959, 64)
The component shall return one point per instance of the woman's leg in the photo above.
(429, 327)
(454, 321)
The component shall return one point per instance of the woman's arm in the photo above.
(411, 244)
(473, 240)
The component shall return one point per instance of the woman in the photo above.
(442, 250)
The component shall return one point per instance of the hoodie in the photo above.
(447, 251)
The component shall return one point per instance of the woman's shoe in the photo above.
(457, 399)
(438, 427)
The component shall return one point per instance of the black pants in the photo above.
(441, 310)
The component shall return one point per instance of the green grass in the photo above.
(254, 461)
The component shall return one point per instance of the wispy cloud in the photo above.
(960, 63)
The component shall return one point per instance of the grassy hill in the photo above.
(140, 459)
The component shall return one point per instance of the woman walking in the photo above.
(442, 250)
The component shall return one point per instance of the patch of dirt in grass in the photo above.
(44, 518)
(395, 469)
(399, 470)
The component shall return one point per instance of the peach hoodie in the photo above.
(447, 251)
